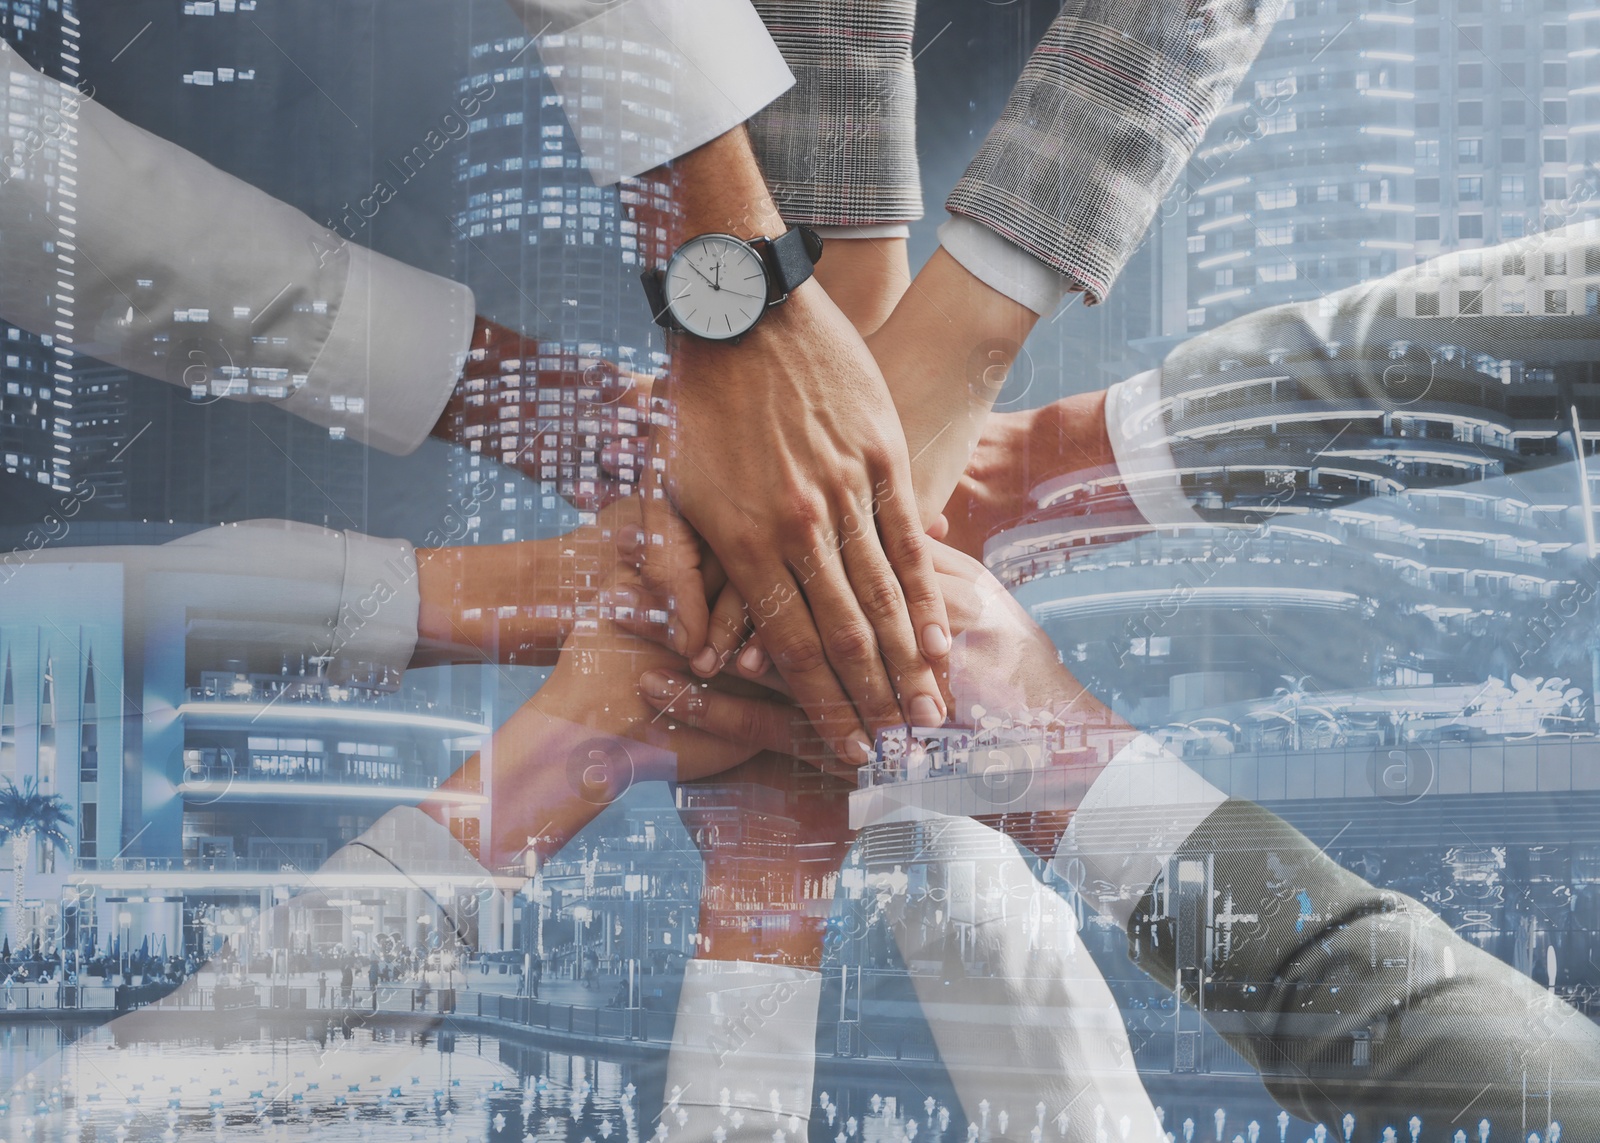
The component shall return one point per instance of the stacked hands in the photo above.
(778, 588)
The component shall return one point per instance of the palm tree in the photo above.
(26, 814)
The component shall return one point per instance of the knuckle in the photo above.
(881, 599)
(851, 643)
(800, 654)
(805, 509)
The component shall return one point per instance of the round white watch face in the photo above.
(716, 286)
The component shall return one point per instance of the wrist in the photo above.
(1073, 432)
(718, 188)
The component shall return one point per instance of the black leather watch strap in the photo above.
(791, 259)
(655, 295)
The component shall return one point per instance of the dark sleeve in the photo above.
(1309, 961)
(839, 148)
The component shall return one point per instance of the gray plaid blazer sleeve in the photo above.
(1102, 121)
(839, 148)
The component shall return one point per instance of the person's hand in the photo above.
(1000, 662)
(785, 454)
(1018, 451)
(811, 516)
(582, 740)
(518, 603)
(495, 410)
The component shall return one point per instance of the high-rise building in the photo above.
(37, 402)
(551, 254)
(1371, 135)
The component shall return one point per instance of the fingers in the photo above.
(878, 594)
(754, 723)
(910, 556)
(727, 632)
(670, 567)
(791, 638)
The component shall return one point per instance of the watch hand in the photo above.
(702, 274)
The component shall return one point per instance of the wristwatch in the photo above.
(717, 286)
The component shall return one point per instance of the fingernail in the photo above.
(753, 660)
(925, 712)
(657, 685)
(934, 640)
(677, 637)
(705, 663)
(857, 749)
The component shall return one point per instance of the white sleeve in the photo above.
(1137, 426)
(1140, 811)
(645, 81)
(1061, 1052)
(156, 261)
(1004, 267)
(284, 587)
(744, 1050)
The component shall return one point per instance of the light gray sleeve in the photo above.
(1382, 346)
(1453, 1029)
(122, 246)
(645, 81)
(284, 588)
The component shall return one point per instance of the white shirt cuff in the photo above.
(649, 80)
(1136, 424)
(1140, 811)
(871, 230)
(744, 1050)
(1008, 269)
(392, 358)
(378, 605)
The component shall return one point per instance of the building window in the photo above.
(1555, 111)
(1555, 301)
(1513, 188)
(1555, 188)
(1275, 199)
(1513, 265)
(1197, 317)
(1512, 151)
(1197, 243)
(1469, 302)
(1428, 228)
(1470, 226)
(1275, 235)
(1427, 152)
(1512, 300)
(1469, 150)
(1469, 113)
(1327, 192)
(1555, 263)
(1469, 188)
(1427, 305)
(1427, 190)
(1555, 150)
(1513, 226)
